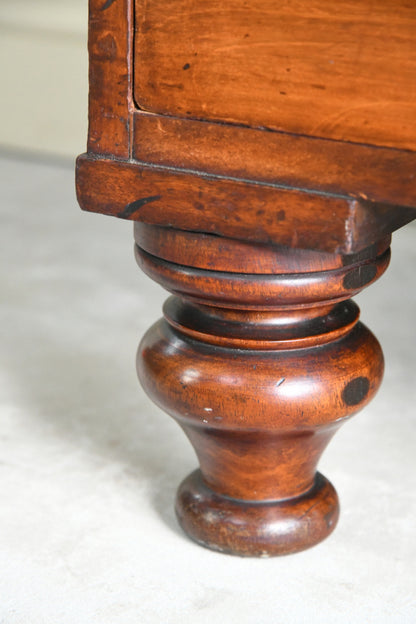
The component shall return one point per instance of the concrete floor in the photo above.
(89, 467)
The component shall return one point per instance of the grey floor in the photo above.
(89, 467)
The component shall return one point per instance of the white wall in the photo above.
(43, 76)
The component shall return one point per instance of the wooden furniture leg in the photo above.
(266, 153)
(260, 358)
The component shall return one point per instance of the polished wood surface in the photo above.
(110, 44)
(207, 251)
(265, 152)
(379, 176)
(237, 179)
(233, 208)
(344, 71)
(260, 371)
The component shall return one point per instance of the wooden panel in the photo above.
(378, 174)
(344, 70)
(110, 101)
(256, 212)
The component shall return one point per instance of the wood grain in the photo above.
(260, 371)
(252, 529)
(233, 208)
(234, 181)
(228, 289)
(218, 253)
(110, 97)
(344, 71)
(376, 174)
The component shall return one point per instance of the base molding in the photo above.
(253, 528)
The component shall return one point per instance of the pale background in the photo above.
(88, 466)
(43, 75)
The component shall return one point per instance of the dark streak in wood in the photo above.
(107, 5)
(360, 276)
(134, 206)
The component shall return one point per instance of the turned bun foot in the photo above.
(256, 528)
(260, 370)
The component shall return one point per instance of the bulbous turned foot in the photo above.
(256, 528)
(259, 369)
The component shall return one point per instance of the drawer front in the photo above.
(344, 70)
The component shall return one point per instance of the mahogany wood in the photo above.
(266, 152)
(305, 67)
(380, 175)
(233, 208)
(110, 44)
(206, 251)
(291, 168)
(260, 371)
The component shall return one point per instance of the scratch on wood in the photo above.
(309, 509)
(133, 207)
(350, 226)
(107, 5)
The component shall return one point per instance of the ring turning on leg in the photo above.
(260, 365)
